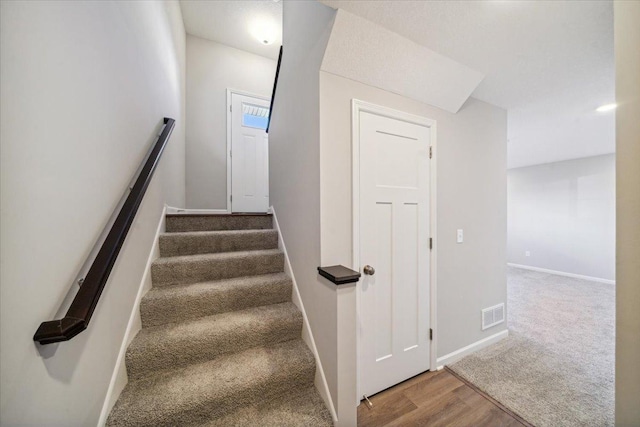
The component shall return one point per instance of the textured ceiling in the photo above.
(231, 23)
(361, 50)
(550, 63)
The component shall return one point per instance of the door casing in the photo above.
(358, 106)
(229, 140)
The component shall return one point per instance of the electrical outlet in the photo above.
(527, 253)
(460, 236)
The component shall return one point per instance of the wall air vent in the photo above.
(492, 316)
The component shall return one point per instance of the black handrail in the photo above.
(79, 313)
(275, 85)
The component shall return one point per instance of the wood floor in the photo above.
(436, 398)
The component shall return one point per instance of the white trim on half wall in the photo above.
(119, 377)
(307, 336)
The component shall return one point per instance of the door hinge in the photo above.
(230, 153)
(231, 198)
(430, 242)
(430, 152)
(230, 108)
(430, 334)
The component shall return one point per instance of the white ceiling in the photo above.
(363, 51)
(549, 63)
(231, 23)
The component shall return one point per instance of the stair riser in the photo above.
(183, 223)
(160, 311)
(195, 243)
(185, 350)
(191, 271)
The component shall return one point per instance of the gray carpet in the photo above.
(220, 343)
(556, 368)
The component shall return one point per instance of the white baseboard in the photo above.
(563, 273)
(173, 211)
(320, 379)
(454, 356)
(119, 377)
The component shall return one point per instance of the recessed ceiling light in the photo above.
(264, 30)
(606, 107)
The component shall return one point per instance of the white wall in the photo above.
(563, 214)
(471, 194)
(84, 87)
(212, 68)
(294, 169)
(627, 46)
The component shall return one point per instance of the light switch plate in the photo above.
(460, 236)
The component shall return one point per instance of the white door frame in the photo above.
(229, 115)
(357, 107)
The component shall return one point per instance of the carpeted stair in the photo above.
(220, 343)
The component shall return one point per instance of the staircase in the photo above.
(220, 343)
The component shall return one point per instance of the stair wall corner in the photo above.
(320, 380)
(119, 376)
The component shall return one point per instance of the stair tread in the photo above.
(217, 215)
(177, 234)
(205, 325)
(197, 393)
(198, 287)
(205, 242)
(294, 409)
(171, 271)
(215, 256)
(167, 304)
(180, 223)
(193, 341)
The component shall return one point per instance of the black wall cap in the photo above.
(339, 274)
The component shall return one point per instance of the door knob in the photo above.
(369, 270)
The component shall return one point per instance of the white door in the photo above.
(249, 154)
(394, 241)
